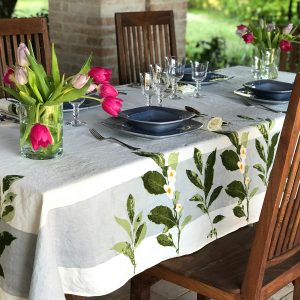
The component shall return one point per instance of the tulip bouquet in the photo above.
(41, 97)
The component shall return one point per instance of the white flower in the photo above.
(241, 166)
(287, 29)
(243, 152)
(247, 181)
(169, 189)
(171, 175)
(178, 207)
(215, 124)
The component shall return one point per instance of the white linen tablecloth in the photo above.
(86, 222)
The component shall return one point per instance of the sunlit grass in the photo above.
(27, 8)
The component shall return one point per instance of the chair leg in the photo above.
(140, 286)
(296, 289)
(201, 297)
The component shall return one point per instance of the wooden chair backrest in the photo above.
(143, 38)
(14, 31)
(277, 235)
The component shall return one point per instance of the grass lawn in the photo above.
(204, 25)
(26, 8)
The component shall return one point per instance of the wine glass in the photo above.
(175, 67)
(199, 72)
(76, 104)
(147, 86)
(161, 81)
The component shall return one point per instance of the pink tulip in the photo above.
(248, 38)
(287, 29)
(241, 30)
(107, 90)
(22, 53)
(21, 75)
(91, 88)
(40, 136)
(79, 81)
(112, 105)
(285, 46)
(242, 27)
(100, 75)
(9, 77)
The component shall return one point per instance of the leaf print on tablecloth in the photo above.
(204, 181)
(234, 160)
(136, 230)
(7, 211)
(158, 183)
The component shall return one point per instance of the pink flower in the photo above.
(107, 90)
(79, 81)
(287, 29)
(91, 88)
(9, 77)
(248, 38)
(21, 75)
(242, 27)
(40, 136)
(112, 105)
(22, 53)
(285, 46)
(241, 30)
(100, 75)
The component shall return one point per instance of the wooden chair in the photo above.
(14, 31)
(143, 38)
(249, 264)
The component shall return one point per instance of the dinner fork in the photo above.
(98, 136)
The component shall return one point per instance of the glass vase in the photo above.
(265, 63)
(49, 116)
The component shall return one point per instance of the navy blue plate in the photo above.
(270, 89)
(155, 118)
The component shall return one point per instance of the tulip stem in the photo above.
(37, 114)
(93, 98)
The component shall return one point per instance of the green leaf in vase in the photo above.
(214, 195)
(130, 208)
(239, 212)
(198, 160)
(162, 215)
(54, 67)
(154, 182)
(194, 179)
(173, 160)
(209, 172)
(271, 150)
(260, 150)
(140, 234)
(230, 160)
(165, 240)
(8, 180)
(157, 157)
(218, 219)
(236, 189)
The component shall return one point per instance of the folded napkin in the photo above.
(186, 88)
(9, 106)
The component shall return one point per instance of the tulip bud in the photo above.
(112, 105)
(287, 29)
(21, 75)
(79, 81)
(22, 53)
(91, 88)
(9, 77)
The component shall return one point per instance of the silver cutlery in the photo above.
(249, 103)
(99, 137)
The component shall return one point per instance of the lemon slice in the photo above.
(215, 124)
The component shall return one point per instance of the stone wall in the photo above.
(78, 27)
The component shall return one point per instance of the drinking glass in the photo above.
(76, 104)
(147, 86)
(160, 80)
(199, 72)
(175, 67)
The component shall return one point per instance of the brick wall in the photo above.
(78, 27)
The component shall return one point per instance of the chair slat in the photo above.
(37, 46)
(9, 52)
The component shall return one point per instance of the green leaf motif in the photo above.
(209, 172)
(5, 240)
(218, 219)
(198, 160)
(176, 197)
(165, 240)
(259, 168)
(260, 150)
(197, 197)
(244, 139)
(9, 197)
(130, 207)
(230, 160)
(262, 129)
(239, 212)
(140, 234)
(1, 271)
(271, 150)
(8, 213)
(236, 189)
(194, 179)
(157, 157)
(9, 180)
(154, 182)
(203, 208)
(253, 192)
(245, 117)
(186, 220)
(173, 160)
(162, 215)
(233, 137)
(137, 221)
(263, 179)
(214, 195)
(271, 123)
(124, 224)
